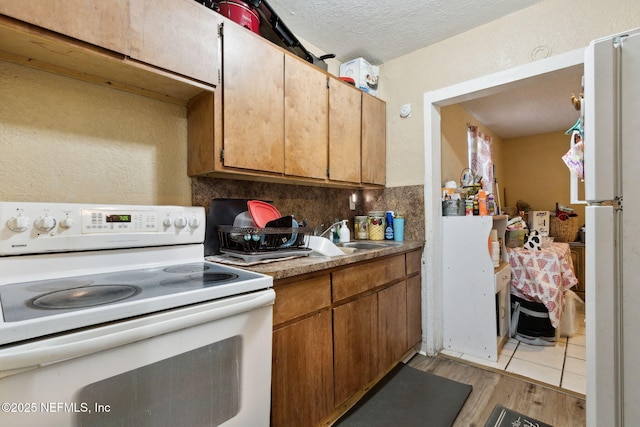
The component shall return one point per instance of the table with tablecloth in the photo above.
(543, 276)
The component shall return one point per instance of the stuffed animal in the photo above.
(532, 241)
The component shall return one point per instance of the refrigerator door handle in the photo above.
(574, 191)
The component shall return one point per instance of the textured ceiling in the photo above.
(380, 30)
(538, 105)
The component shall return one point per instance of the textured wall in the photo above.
(539, 188)
(64, 140)
(552, 26)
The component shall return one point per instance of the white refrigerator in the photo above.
(611, 171)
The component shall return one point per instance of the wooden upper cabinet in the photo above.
(374, 140)
(177, 35)
(253, 102)
(344, 132)
(305, 120)
(101, 23)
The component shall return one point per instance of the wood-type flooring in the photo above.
(547, 404)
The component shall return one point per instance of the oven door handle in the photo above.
(35, 354)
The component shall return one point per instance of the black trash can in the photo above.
(530, 322)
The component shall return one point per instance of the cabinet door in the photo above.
(201, 132)
(177, 35)
(344, 132)
(577, 256)
(348, 282)
(301, 298)
(102, 23)
(374, 140)
(302, 377)
(414, 311)
(253, 102)
(392, 324)
(305, 120)
(355, 346)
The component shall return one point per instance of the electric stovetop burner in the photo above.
(86, 296)
(29, 300)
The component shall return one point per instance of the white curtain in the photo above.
(481, 157)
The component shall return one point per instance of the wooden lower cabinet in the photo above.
(392, 325)
(302, 380)
(338, 332)
(355, 346)
(578, 256)
(414, 311)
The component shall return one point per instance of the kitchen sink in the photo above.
(324, 247)
(368, 245)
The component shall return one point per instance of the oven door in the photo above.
(207, 364)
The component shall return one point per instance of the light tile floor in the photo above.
(563, 365)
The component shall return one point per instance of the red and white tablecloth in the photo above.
(543, 276)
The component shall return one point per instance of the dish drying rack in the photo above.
(268, 239)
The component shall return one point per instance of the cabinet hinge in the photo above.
(328, 84)
(222, 154)
(221, 30)
(328, 173)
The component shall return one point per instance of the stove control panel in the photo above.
(27, 228)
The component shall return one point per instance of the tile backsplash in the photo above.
(319, 205)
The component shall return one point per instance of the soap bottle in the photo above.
(335, 231)
(345, 234)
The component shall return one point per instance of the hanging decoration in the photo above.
(574, 158)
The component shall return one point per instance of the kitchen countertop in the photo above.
(309, 264)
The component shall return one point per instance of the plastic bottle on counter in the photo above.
(491, 204)
(482, 203)
(345, 233)
(388, 231)
(335, 232)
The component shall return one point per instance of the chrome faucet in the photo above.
(315, 231)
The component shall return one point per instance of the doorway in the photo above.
(508, 81)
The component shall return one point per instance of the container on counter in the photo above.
(361, 227)
(376, 225)
(398, 228)
(451, 207)
(482, 203)
(468, 211)
(388, 229)
(345, 233)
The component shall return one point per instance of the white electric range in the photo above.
(95, 297)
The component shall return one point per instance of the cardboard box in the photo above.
(364, 74)
(539, 220)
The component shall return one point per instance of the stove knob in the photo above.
(167, 222)
(180, 222)
(45, 223)
(194, 222)
(18, 224)
(66, 223)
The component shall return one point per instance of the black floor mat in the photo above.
(504, 417)
(408, 397)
